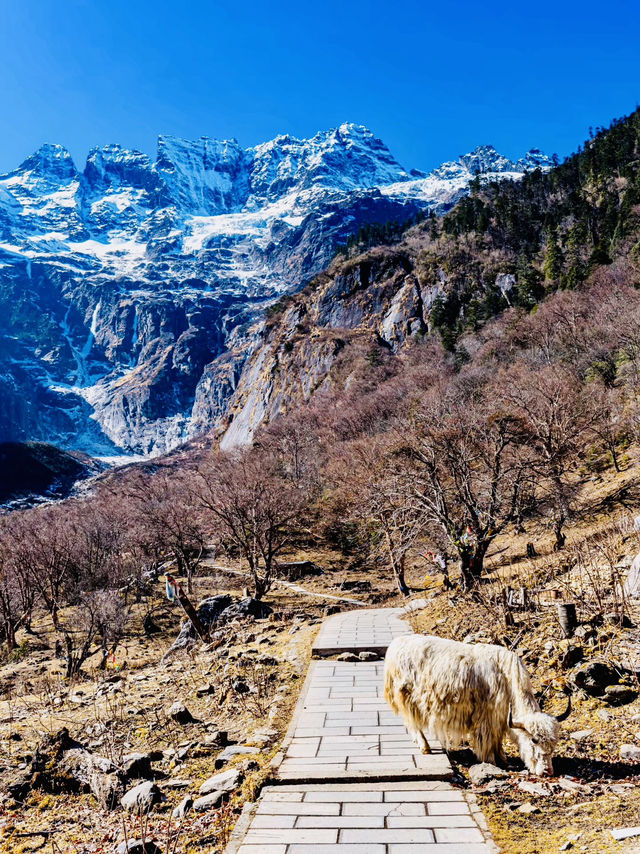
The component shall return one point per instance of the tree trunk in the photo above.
(614, 458)
(398, 571)
(472, 564)
(560, 537)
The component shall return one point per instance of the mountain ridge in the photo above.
(132, 291)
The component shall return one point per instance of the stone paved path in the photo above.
(350, 779)
(344, 730)
(371, 629)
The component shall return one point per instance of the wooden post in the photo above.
(189, 610)
(567, 618)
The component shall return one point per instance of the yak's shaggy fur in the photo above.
(468, 692)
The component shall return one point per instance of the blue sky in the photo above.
(431, 79)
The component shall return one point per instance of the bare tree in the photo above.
(169, 517)
(464, 468)
(551, 405)
(97, 615)
(255, 506)
(379, 502)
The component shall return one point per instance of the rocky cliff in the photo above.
(132, 293)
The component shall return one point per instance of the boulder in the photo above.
(348, 656)
(620, 695)
(142, 798)
(234, 750)
(294, 569)
(630, 753)
(632, 584)
(138, 846)
(594, 677)
(245, 608)
(210, 609)
(581, 734)
(93, 773)
(61, 764)
(485, 771)
(218, 738)
(137, 766)
(183, 807)
(180, 713)
(209, 802)
(224, 782)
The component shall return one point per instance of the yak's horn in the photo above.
(511, 723)
(565, 714)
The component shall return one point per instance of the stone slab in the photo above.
(335, 736)
(364, 630)
(372, 818)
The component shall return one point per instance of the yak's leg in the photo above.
(423, 743)
(419, 737)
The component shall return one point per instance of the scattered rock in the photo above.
(572, 785)
(485, 771)
(625, 832)
(263, 737)
(528, 809)
(533, 788)
(180, 713)
(138, 846)
(494, 786)
(593, 677)
(94, 773)
(240, 686)
(581, 734)
(62, 764)
(267, 660)
(368, 655)
(209, 802)
(218, 738)
(619, 695)
(137, 766)
(332, 609)
(142, 798)
(630, 753)
(203, 690)
(348, 656)
(224, 782)
(183, 807)
(247, 607)
(235, 750)
(604, 715)
(177, 783)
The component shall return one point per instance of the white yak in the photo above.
(469, 692)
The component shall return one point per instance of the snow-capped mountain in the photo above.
(131, 292)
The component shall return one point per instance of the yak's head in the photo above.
(537, 735)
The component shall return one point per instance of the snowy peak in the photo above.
(203, 177)
(346, 158)
(534, 159)
(485, 159)
(49, 163)
(111, 166)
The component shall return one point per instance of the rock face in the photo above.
(132, 292)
